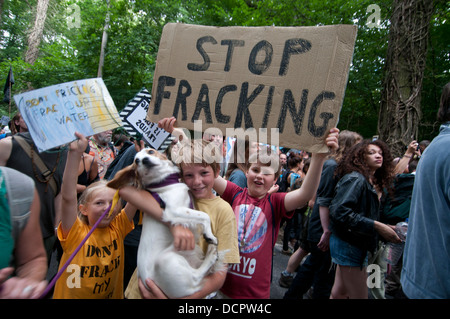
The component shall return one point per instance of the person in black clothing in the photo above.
(315, 271)
(13, 155)
(364, 172)
(131, 242)
(396, 209)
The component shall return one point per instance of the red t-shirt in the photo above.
(257, 234)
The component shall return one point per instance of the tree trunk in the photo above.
(34, 39)
(400, 111)
(1, 10)
(104, 42)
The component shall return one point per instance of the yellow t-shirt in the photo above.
(223, 226)
(96, 272)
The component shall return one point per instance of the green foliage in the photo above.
(68, 54)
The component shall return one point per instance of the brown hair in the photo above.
(200, 152)
(267, 158)
(236, 162)
(354, 160)
(346, 141)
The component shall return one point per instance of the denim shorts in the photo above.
(346, 254)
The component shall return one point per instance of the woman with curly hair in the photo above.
(354, 215)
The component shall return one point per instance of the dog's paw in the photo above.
(212, 240)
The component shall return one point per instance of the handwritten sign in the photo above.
(53, 114)
(134, 121)
(290, 78)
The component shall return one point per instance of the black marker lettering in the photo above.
(221, 118)
(268, 107)
(205, 56)
(231, 44)
(203, 103)
(244, 102)
(292, 46)
(297, 117)
(312, 128)
(181, 99)
(260, 67)
(163, 81)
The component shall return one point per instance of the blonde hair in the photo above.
(87, 195)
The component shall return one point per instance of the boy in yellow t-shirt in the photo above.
(198, 173)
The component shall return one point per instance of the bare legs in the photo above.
(350, 283)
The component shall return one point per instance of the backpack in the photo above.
(16, 195)
(284, 184)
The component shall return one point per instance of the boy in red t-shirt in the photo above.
(258, 215)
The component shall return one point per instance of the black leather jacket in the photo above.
(353, 210)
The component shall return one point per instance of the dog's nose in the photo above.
(146, 161)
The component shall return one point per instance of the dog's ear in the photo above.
(126, 176)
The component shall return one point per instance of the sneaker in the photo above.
(285, 281)
(287, 251)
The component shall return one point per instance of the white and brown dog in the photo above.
(176, 273)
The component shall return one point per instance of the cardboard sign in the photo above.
(134, 121)
(287, 78)
(53, 114)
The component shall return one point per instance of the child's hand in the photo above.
(183, 238)
(139, 145)
(332, 139)
(167, 123)
(80, 144)
(152, 291)
(274, 188)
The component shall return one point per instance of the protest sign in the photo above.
(287, 78)
(53, 114)
(5, 120)
(134, 121)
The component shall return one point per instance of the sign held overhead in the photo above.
(290, 78)
(133, 116)
(54, 113)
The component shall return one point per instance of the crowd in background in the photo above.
(351, 222)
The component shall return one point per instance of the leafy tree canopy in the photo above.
(69, 51)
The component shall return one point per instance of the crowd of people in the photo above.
(339, 213)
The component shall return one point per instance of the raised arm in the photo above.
(301, 196)
(220, 184)
(69, 199)
(404, 161)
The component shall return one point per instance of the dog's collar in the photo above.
(169, 180)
